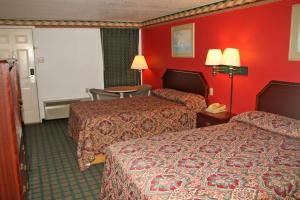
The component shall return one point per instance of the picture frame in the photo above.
(183, 40)
(294, 50)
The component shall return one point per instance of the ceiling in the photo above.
(95, 10)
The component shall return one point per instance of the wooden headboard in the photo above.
(280, 98)
(187, 81)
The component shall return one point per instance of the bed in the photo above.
(255, 156)
(95, 125)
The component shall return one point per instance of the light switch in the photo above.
(41, 60)
(211, 91)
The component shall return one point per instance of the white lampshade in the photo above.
(139, 62)
(213, 57)
(231, 57)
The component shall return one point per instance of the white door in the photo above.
(17, 43)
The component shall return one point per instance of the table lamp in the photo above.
(139, 63)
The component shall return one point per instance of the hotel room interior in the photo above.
(150, 99)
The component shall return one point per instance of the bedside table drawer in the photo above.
(202, 122)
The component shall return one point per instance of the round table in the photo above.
(121, 89)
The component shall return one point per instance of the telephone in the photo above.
(216, 108)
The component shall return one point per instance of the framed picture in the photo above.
(183, 41)
(294, 52)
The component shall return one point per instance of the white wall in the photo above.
(67, 62)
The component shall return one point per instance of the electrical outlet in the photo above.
(211, 91)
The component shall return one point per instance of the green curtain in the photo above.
(119, 48)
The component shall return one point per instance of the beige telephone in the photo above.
(216, 108)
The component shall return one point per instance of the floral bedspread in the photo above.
(237, 160)
(95, 125)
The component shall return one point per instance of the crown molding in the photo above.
(207, 9)
(69, 24)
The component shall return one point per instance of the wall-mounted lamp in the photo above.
(139, 63)
(213, 59)
(228, 63)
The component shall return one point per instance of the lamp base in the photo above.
(231, 70)
(141, 77)
(243, 70)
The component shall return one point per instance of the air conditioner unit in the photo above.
(59, 109)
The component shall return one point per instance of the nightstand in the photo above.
(207, 119)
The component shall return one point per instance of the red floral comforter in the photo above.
(238, 160)
(95, 125)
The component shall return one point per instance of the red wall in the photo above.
(261, 33)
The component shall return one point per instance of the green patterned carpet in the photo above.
(54, 172)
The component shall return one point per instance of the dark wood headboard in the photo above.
(280, 98)
(187, 81)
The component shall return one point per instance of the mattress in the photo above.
(255, 156)
(96, 125)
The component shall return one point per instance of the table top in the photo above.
(119, 89)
